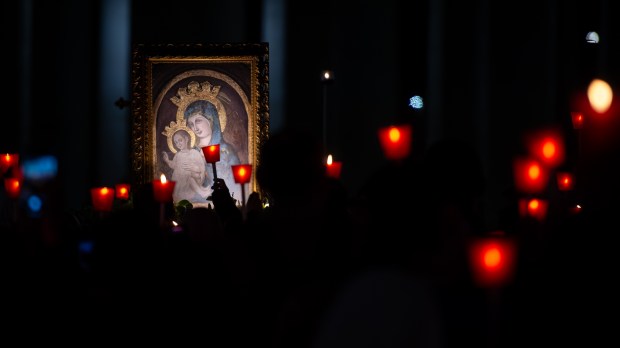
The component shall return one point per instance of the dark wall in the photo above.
(488, 72)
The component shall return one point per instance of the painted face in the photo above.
(200, 125)
(180, 141)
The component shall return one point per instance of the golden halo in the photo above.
(175, 127)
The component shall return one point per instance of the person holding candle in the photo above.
(187, 170)
(203, 119)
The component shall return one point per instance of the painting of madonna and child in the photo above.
(197, 108)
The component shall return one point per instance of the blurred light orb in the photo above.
(600, 95)
(416, 102)
(35, 203)
(592, 37)
(327, 75)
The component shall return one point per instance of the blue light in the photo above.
(86, 246)
(35, 203)
(416, 102)
(40, 168)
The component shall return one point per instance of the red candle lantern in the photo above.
(212, 155)
(13, 187)
(122, 191)
(102, 198)
(529, 175)
(577, 119)
(395, 141)
(8, 160)
(242, 174)
(333, 168)
(566, 181)
(492, 260)
(162, 189)
(535, 208)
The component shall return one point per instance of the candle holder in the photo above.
(7, 161)
(162, 193)
(333, 168)
(12, 187)
(212, 155)
(242, 174)
(102, 198)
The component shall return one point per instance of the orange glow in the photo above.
(394, 134)
(534, 171)
(549, 149)
(534, 204)
(395, 141)
(600, 96)
(492, 258)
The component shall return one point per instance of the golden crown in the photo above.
(199, 91)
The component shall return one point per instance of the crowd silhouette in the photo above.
(318, 266)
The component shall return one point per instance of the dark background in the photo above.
(488, 71)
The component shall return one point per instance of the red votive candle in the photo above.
(395, 141)
(242, 173)
(8, 160)
(333, 168)
(102, 198)
(212, 153)
(13, 187)
(162, 189)
(122, 191)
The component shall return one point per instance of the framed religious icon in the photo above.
(190, 97)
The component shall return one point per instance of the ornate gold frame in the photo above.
(167, 77)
